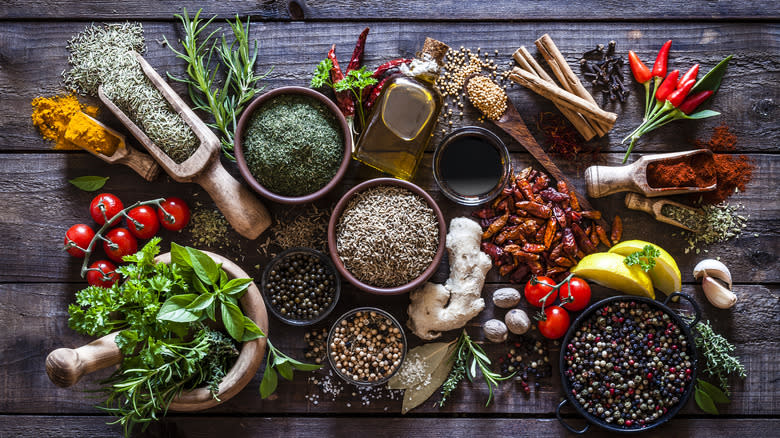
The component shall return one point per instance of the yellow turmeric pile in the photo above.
(85, 132)
(52, 114)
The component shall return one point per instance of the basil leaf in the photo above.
(174, 309)
(89, 183)
(180, 256)
(701, 114)
(211, 312)
(705, 402)
(236, 287)
(200, 303)
(285, 370)
(199, 286)
(251, 331)
(715, 393)
(233, 320)
(223, 278)
(205, 268)
(269, 382)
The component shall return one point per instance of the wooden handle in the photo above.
(605, 180)
(241, 208)
(142, 163)
(638, 202)
(66, 366)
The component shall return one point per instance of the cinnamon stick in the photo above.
(567, 78)
(562, 97)
(527, 62)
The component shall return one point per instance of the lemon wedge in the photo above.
(665, 274)
(608, 269)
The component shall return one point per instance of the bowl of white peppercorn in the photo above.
(366, 346)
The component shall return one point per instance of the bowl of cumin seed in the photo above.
(386, 236)
(292, 145)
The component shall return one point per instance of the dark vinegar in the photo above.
(471, 166)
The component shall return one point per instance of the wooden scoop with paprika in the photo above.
(656, 175)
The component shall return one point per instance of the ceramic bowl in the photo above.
(243, 166)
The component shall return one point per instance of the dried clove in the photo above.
(604, 71)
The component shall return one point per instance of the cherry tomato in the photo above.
(535, 292)
(580, 293)
(111, 204)
(556, 322)
(80, 235)
(95, 278)
(178, 209)
(124, 241)
(146, 216)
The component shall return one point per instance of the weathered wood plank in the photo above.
(35, 322)
(33, 54)
(377, 10)
(39, 205)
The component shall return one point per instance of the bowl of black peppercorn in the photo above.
(301, 286)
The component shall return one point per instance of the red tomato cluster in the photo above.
(543, 291)
(143, 223)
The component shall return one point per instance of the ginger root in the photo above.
(429, 313)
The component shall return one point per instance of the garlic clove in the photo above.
(712, 268)
(717, 294)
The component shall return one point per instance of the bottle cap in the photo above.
(436, 49)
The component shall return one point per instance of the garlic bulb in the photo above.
(717, 294)
(712, 268)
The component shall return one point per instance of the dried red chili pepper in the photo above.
(536, 268)
(617, 230)
(573, 216)
(555, 270)
(602, 233)
(484, 213)
(582, 239)
(527, 190)
(552, 195)
(560, 216)
(495, 226)
(540, 183)
(569, 244)
(659, 67)
(556, 251)
(357, 54)
(591, 214)
(549, 232)
(534, 208)
(564, 261)
(519, 275)
(593, 235)
(384, 68)
(507, 269)
(343, 98)
(495, 252)
(693, 101)
(533, 248)
(375, 92)
(525, 257)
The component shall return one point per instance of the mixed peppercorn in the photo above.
(527, 358)
(300, 286)
(628, 364)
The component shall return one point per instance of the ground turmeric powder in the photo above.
(52, 114)
(85, 132)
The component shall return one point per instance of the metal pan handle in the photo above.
(566, 425)
(696, 308)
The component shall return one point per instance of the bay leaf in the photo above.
(89, 183)
(416, 395)
(429, 355)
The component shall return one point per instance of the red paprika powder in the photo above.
(734, 172)
(691, 171)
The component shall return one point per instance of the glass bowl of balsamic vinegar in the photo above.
(471, 165)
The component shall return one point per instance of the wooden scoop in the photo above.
(635, 201)
(606, 180)
(241, 208)
(66, 366)
(511, 123)
(143, 164)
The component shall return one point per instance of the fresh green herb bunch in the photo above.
(645, 258)
(213, 57)
(354, 82)
(469, 352)
(717, 352)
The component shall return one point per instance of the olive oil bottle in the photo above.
(402, 120)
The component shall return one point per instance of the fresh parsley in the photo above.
(645, 258)
(354, 82)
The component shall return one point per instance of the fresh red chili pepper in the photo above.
(659, 68)
(693, 101)
(343, 99)
(677, 96)
(667, 86)
(357, 54)
(642, 74)
(690, 74)
(382, 69)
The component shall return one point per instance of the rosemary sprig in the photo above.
(206, 59)
(469, 352)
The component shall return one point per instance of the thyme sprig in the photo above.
(469, 352)
(211, 57)
(719, 362)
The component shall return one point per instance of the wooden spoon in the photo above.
(606, 180)
(638, 202)
(511, 123)
(66, 366)
(142, 163)
(241, 208)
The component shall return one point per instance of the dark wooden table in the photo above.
(37, 205)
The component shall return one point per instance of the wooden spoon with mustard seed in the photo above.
(511, 123)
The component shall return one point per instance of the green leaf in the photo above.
(205, 268)
(251, 330)
(201, 303)
(645, 258)
(199, 286)
(179, 255)
(300, 366)
(223, 278)
(236, 287)
(321, 74)
(89, 183)
(269, 382)
(285, 370)
(715, 393)
(174, 309)
(711, 81)
(233, 320)
(701, 114)
(705, 402)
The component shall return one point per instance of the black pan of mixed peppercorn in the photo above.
(627, 364)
